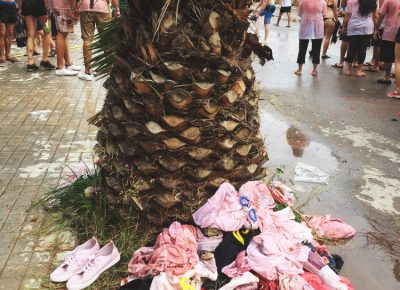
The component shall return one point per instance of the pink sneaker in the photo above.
(105, 258)
(74, 261)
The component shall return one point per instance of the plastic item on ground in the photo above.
(332, 228)
(225, 212)
(74, 261)
(175, 253)
(103, 259)
(247, 281)
(309, 173)
(191, 280)
(238, 267)
(317, 284)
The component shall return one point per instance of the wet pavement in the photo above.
(344, 126)
(348, 128)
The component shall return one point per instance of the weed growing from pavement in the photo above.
(70, 209)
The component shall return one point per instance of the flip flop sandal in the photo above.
(337, 65)
(384, 81)
(368, 64)
(325, 56)
(13, 59)
(392, 75)
(371, 69)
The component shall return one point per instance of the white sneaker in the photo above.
(86, 77)
(74, 67)
(66, 72)
(105, 258)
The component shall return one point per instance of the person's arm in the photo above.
(19, 2)
(346, 19)
(335, 10)
(115, 5)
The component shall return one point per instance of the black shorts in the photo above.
(33, 8)
(8, 13)
(387, 51)
(398, 36)
(285, 9)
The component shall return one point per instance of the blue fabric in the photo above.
(8, 3)
(267, 13)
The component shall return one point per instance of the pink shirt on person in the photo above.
(59, 4)
(390, 9)
(312, 14)
(358, 25)
(101, 6)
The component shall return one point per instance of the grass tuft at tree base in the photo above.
(88, 214)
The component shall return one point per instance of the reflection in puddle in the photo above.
(287, 145)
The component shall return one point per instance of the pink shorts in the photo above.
(65, 20)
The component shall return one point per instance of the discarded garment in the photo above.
(232, 244)
(224, 211)
(271, 254)
(318, 284)
(329, 227)
(295, 282)
(208, 244)
(238, 267)
(286, 191)
(192, 279)
(175, 253)
(245, 282)
(309, 173)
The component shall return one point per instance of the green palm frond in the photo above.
(103, 47)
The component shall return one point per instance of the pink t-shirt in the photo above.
(101, 6)
(59, 4)
(391, 9)
(358, 25)
(312, 14)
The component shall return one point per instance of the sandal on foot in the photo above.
(360, 74)
(385, 81)
(13, 59)
(336, 65)
(325, 56)
(368, 64)
(371, 69)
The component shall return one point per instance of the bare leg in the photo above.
(329, 26)
(360, 72)
(61, 47)
(7, 40)
(2, 42)
(46, 39)
(266, 28)
(289, 18)
(397, 67)
(87, 55)
(314, 71)
(279, 18)
(30, 22)
(343, 49)
(67, 56)
(388, 67)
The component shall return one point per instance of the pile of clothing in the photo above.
(247, 239)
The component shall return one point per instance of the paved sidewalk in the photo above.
(43, 129)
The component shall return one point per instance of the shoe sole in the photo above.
(94, 278)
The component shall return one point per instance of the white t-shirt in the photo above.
(286, 3)
(358, 25)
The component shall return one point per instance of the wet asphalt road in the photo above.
(347, 127)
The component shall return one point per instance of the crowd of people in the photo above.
(366, 23)
(53, 20)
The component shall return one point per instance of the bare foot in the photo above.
(314, 73)
(298, 72)
(360, 74)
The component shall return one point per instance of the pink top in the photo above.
(59, 4)
(101, 6)
(312, 14)
(390, 9)
(358, 25)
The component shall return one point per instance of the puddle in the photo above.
(287, 145)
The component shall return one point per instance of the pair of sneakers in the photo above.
(83, 265)
(71, 70)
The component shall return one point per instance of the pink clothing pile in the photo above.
(175, 253)
(238, 267)
(331, 228)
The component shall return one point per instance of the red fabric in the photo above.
(266, 284)
(316, 282)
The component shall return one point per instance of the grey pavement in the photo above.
(43, 131)
(349, 124)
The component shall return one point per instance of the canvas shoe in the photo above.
(74, 67)
(105, 258)
(74, 261)
(66, 72)
(86, 77)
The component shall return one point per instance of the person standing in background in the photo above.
(330, 20)
(396, 92)
(93, 14)
(8, 18)
(285, 8)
